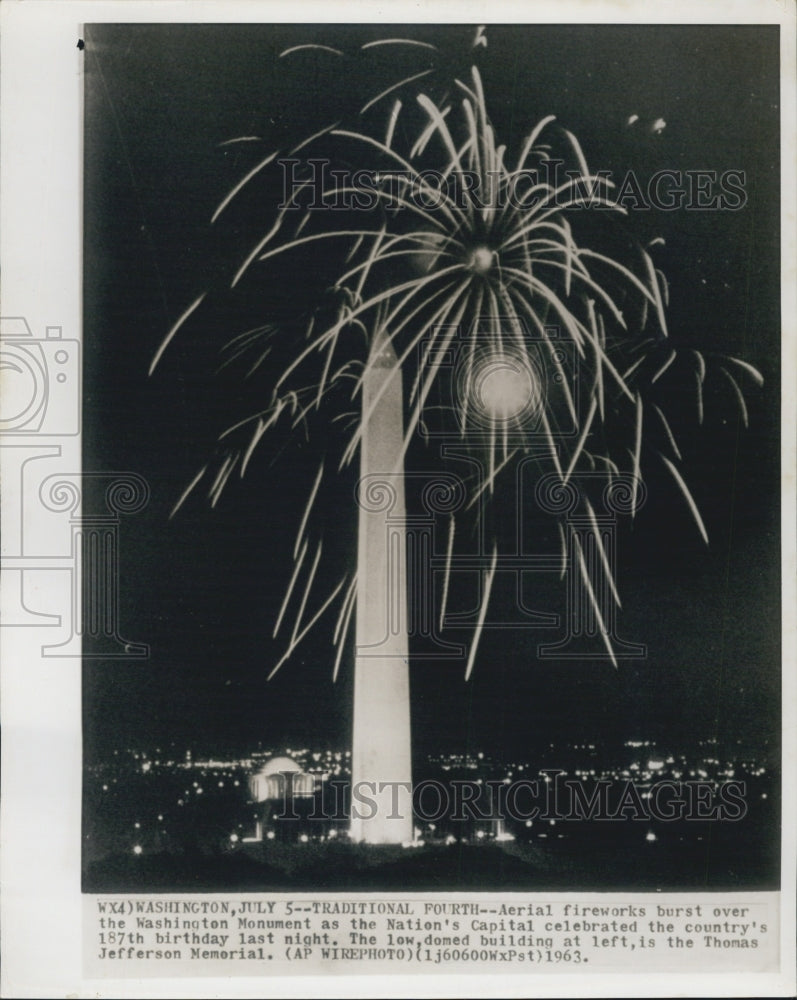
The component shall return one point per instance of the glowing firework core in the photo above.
(481, 260)
(505, 388)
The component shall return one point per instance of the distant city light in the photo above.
(644, 771)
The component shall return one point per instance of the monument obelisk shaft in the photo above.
(381, 749)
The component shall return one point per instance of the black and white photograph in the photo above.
(425, 508)
(449, 357)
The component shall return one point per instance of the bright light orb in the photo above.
(505, 388)
(481, 260)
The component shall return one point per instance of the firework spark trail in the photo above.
(738, 393)
(319, 48)
(242, 183)
(390, 89)
(184, 495)
(170, 335)
(607, 567)
(488, 583)
(756, 375)
(415, 285)
(342, 624)
(302, 525)
(349, 597)
(585, 576)
(297, 565)
(687, 496)
(224, 474)
(446, 204)
(637, 454)
(563, 383)
(673, 355)
(307, 588)
(297, 638)
(446, 576)
(351, 449)
(412, 423)
(668, 431)
(512, 260)
(582, 438)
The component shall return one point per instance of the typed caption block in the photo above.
(275, 934)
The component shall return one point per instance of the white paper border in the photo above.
(40, 264)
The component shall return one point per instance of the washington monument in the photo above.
(381, 751)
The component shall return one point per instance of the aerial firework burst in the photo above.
(466, 241)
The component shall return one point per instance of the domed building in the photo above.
(278, 778)
(284, 794)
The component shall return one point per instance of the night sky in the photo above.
(202, 590)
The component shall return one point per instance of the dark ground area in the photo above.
(617, 859)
